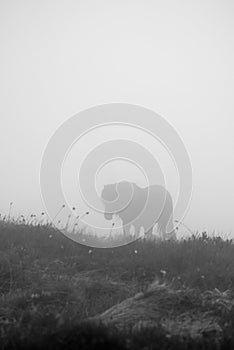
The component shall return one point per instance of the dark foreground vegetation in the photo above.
(50, 286)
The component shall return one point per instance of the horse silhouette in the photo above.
(140, 207)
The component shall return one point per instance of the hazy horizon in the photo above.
(175, 58)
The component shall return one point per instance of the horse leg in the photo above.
(166, 228)
(126, 230)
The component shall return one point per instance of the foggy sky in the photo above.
(174, 57)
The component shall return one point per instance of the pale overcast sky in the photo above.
(174, 57)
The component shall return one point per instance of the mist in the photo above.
(175, 58)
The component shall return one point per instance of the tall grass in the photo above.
(49, 282)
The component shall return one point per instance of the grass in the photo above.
(49, 285)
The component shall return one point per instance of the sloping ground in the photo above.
(185, 312)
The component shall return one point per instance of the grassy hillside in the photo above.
(49, 285)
